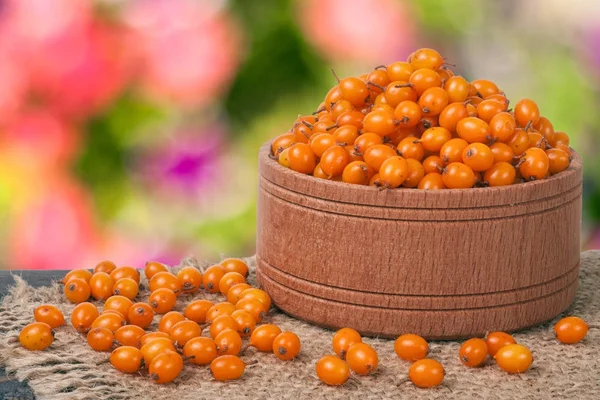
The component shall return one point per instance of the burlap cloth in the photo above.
(69, 369)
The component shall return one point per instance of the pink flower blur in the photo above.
(191, 48)
(359, 30)
(55, 231)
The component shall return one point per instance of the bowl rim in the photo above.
(556, 185)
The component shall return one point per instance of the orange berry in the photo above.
(426, 373)
(473, 352)
(570, 330)
(36, 336)
(286, 346)
(49, 314)
(411, 347)
(514, 358)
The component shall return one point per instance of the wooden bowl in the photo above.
(442, 264)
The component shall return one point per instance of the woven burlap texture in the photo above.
(69, 369)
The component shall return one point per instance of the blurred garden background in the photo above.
(129, 130)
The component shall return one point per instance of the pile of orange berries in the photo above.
(137, 343)
(127, 329)
(362, 359)
(415, 124)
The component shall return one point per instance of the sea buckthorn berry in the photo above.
(332, 370)
(452, 150)
(362, 358)
(125, 272)
(148, 337)
(457, 88)
(375, 156)
(183, 331)
(381, 122)
(471, 110)
(411, 147)
(339, 108)
(211, 278)
(49, 314)
(105, 266)
(286, 346)
(235, 265)
(227, 368)
(155, 347)
(432, 181)
(77, 290)
(399, 91)
(223, 308)
(473, 130)
(354, 90)
(408, 114)
(83, 274)
(393, 172)
(263, 336)
(354, 118)
(502, 152)
(514, 358)
(545, 128)
(111, 321)
(200, 350)
(500, 98)
(221, 323)
(245, 322)
(478, 156)
(496, 340)
(485, 87)
(343, 339)
(445, 74)
(259, 295)
(399, 71)
(415, 173)
(473, 352)
(101, 286)
(356, 172)
(130, 335)
(423, 79)
(366, 140)
(228, 280)
(118, 303)
(450, 116)
(165, 367)
(140, 314)
(318, 172)
(433, 101)
(426, 373)
(526, 112)
(126, 287)
(433, 164)
(426, 58)
(488, 109)
(127, 359)
(536, 140)
(334, 160)
(458, 176)
(500, 174)
(83, 315)
(229, 342)
(169, 320)
(302, 159)
(411, 347)
(162, 300)
(101, 339)
(434, 138)
(346, 134)
(534, 164)
(519, 142)
(333, 96)
(190, 279)
(570, 330)
(253, 306)
(427, 122)
(165, 280)
(321, 142)
(278, 144)
(558, 160)
(154, 267)
(36, 336)
(234, 293)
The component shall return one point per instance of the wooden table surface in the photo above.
(9, 388)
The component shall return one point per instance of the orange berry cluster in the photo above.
(415, 124)
(124, 327)
(353, 354)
